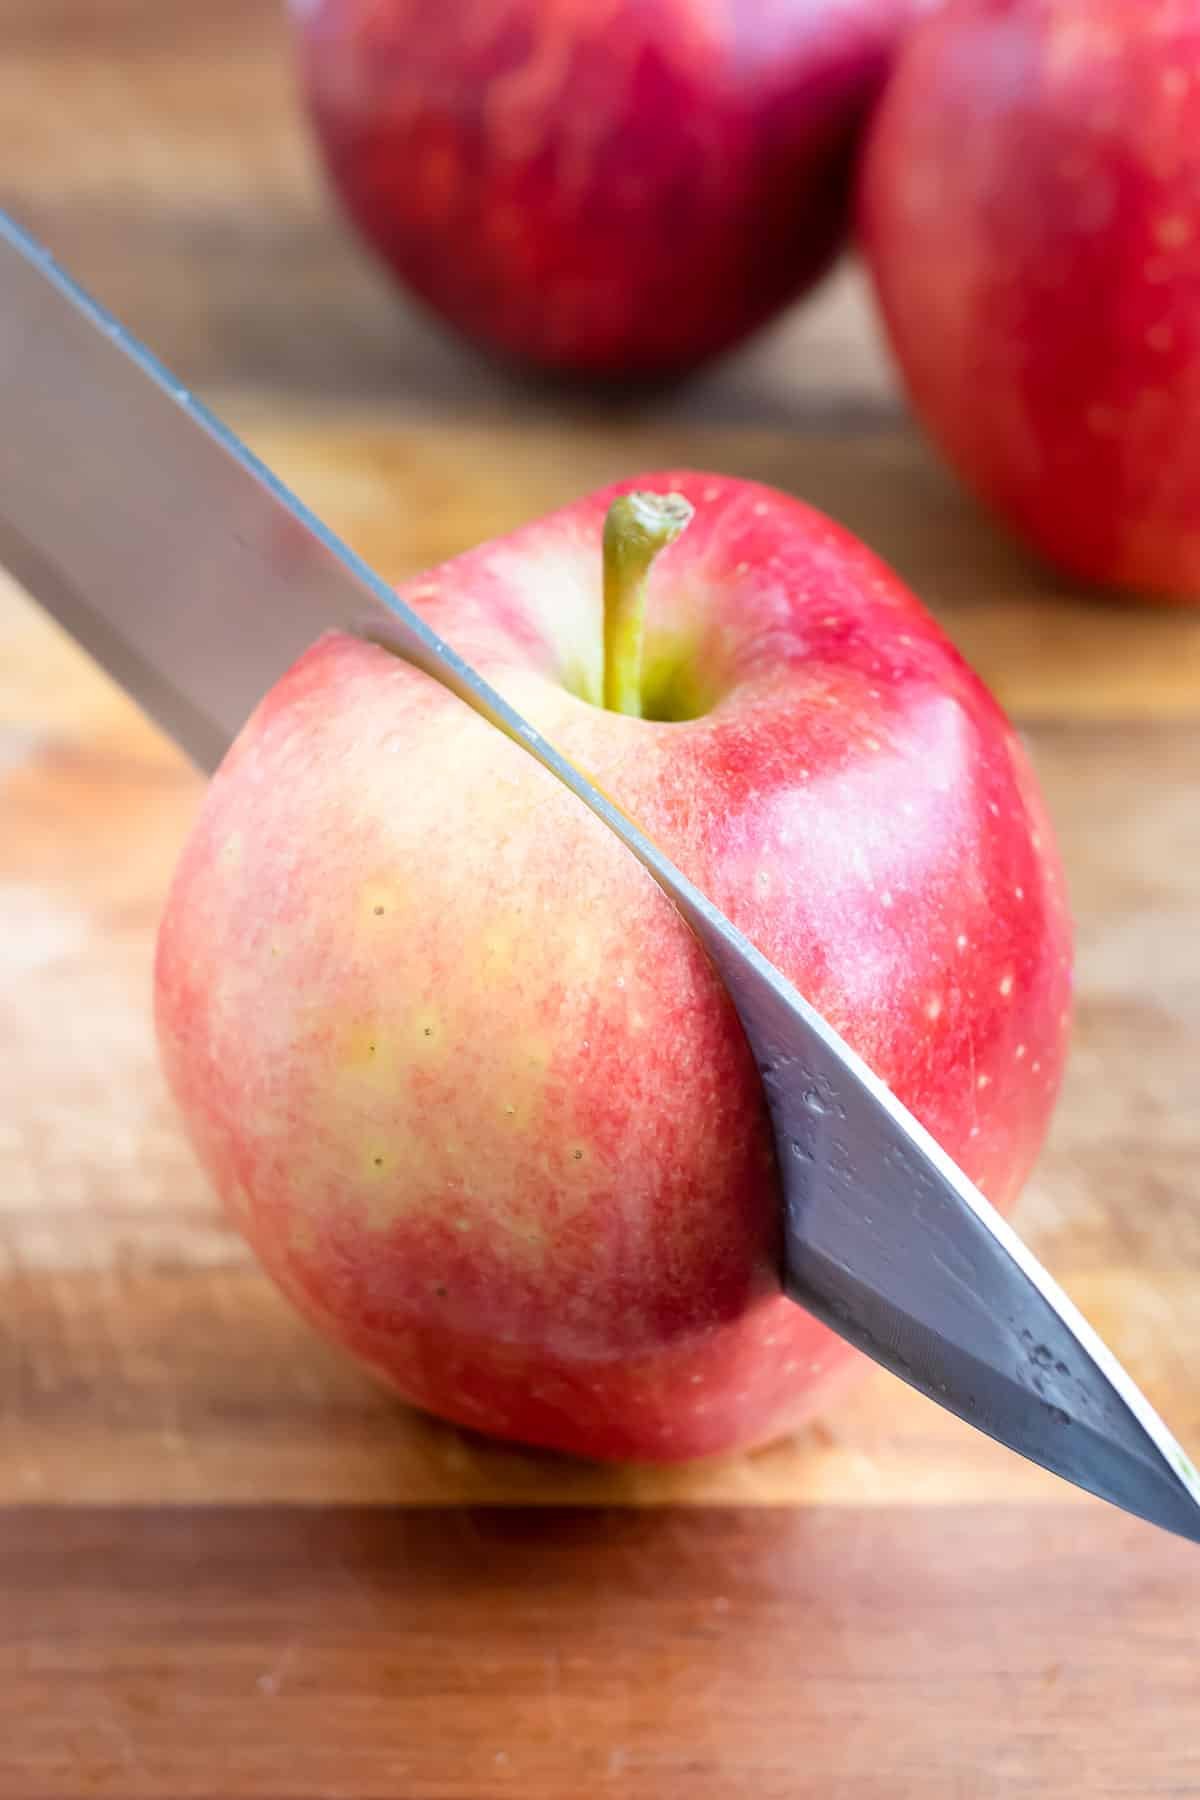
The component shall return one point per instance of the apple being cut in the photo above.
(605, 187)
(1031, 213)
(452, 1059)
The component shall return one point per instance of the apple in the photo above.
(1030, 208)
(601, 187)
(453, 1061)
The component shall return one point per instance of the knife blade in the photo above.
(190, 572)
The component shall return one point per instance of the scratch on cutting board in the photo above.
(552, 1668)
(119, 1738)
(271, 1680)
(31, 1474)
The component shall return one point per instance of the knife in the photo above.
(189, 571)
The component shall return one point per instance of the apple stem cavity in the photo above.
(636, 528)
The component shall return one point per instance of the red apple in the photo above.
(607, 187)
(1031, 212)
(453, 1061)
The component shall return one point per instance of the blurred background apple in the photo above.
(610, 188)
(1031, 212)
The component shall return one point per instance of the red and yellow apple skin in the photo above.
(609, 188)
(1030, 209)
(456, 1066)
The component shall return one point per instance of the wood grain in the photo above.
(792, 1655)
(230, 1565)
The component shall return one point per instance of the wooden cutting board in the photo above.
(230, 1566)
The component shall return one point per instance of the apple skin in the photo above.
(607, 188)
(1030, 209)
(454, 1063)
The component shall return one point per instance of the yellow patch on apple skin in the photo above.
(378, 1161)
(232, 850)
(378, 901)
(497, 958)
(368, 1050)
(377, 1054)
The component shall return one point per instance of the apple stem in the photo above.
(636, 528)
